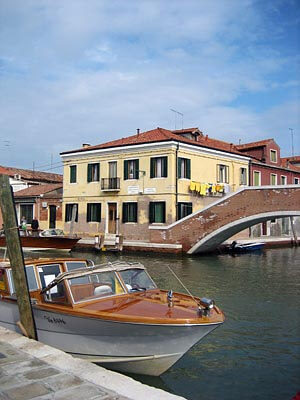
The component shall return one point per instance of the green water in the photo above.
(255, 354)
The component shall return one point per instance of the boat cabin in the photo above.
(74, 281)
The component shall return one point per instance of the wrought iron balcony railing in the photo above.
(110, 184)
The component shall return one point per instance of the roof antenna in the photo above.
(178, 113)
(292, 134)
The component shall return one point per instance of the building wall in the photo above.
(145, 189)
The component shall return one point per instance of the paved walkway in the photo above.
(32, 370)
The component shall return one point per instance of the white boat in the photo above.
(112, 314)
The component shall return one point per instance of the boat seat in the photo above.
(102, 290)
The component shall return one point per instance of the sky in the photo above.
(90, 71)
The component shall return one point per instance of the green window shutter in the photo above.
(88, 213)
(165, 167)
(179, 167)
(152, 167)
(125, 212)
(125, 170)
(151, 212)
(188, 168)
(179, 213)
(163, 212)
(89, 173)
(136, 169)
(73, 170)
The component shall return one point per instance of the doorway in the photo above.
(52, 217)
(112, 218)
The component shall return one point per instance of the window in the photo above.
(93, 172)
(159, 167)
(273, 179)
(71, 210)
(273, 155)
(283, 180)
(296, 181)
(112, 169)
(47, 274)
(184, 168)
(31, 278)
(157, 212)
(222, 173)
(131, 169)
(256, 178)
(129, 212)
(26, 210)
(93, 212)
(73, 173)
(243, 176)
(184, 209)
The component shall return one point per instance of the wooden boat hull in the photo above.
(148, 349)
(44, 242)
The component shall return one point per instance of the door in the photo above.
(52, 217)
(112, 218)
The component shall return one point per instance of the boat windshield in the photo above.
(94, 286)
(137, 279)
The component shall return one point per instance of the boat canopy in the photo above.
(81, 272)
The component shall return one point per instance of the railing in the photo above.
(110, 183)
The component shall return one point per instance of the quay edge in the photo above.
(111, 385)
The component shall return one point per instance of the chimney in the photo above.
(138, 131)
(84, 145)
(206, 137)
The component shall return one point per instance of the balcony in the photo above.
(110, 184)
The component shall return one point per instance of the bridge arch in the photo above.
(205, 229)
(215, 238)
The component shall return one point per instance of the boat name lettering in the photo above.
(53, 320)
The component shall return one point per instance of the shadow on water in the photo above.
(255, 354)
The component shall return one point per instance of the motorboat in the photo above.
(49, 239)
(235, 247)
(112, 314)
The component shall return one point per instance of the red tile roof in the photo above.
(37, 190)
(161, 135)
(29, 175)
(291, 159)
(253, 145)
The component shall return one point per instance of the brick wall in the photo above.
(242, 204)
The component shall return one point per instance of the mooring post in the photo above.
(16, 258)
(294, 231)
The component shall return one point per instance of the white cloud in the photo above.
(77, 71)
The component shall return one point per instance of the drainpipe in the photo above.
(176, 184)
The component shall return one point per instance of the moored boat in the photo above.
(50, 239)
(112, 314)
(245, 247)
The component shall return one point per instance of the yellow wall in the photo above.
(203, 169)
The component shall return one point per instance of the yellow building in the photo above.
(151, 178)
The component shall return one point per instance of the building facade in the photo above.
(151, 178)
(22, 179)
(268, 168)
(41, 202)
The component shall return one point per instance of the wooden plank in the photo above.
(16, 258)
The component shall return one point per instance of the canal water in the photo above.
(255, 354)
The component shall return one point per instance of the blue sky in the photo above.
(89, 71)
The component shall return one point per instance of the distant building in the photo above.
(268, 168)
(21, 179)
(43, 202)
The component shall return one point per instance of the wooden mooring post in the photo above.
(16, 258)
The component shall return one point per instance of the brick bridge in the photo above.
(204, 230)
